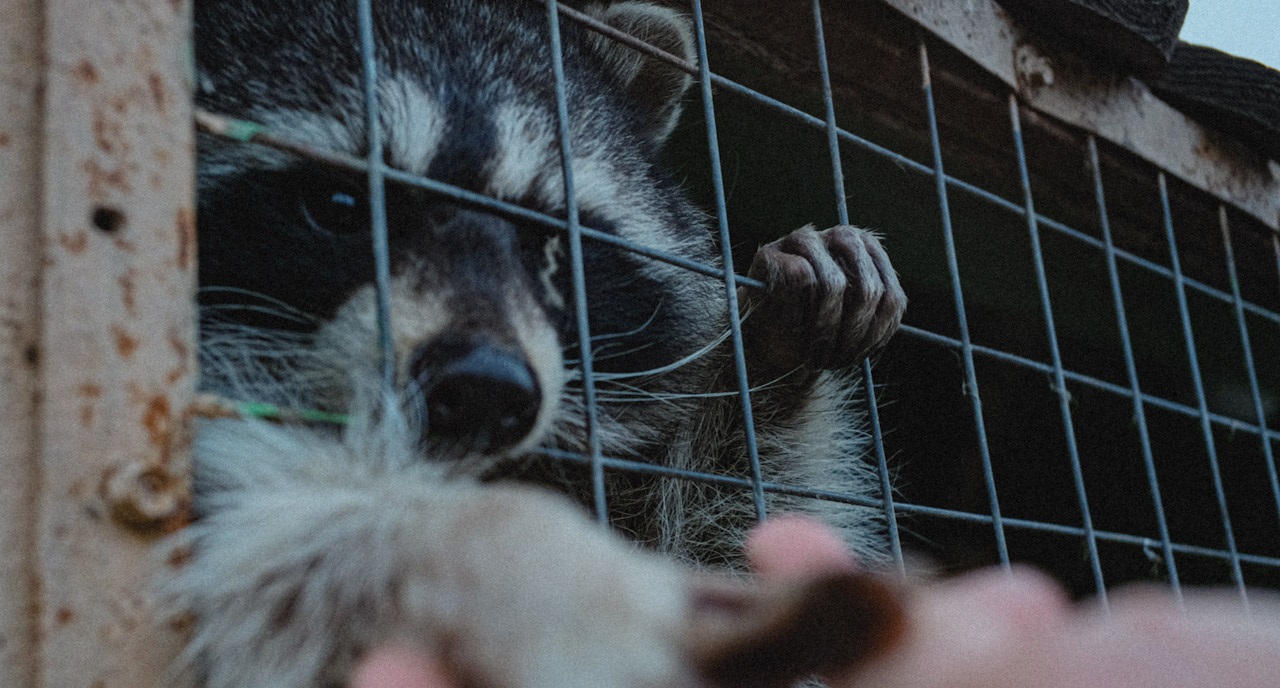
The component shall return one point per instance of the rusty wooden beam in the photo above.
(97, 213)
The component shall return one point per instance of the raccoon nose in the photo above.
(477, 395)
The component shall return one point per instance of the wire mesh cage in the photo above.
(1078, 383)
(1083, 378)
(1060, 390)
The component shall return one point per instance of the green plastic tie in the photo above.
(273, 412)
(243, 130)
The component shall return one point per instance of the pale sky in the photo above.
(1248, 28)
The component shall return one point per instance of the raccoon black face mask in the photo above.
(481, 304)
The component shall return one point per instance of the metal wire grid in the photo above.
(1169, 550)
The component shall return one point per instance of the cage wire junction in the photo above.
(1097, 555)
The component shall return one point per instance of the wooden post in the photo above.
(96, 333)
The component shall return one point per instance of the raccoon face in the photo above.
(481, 304)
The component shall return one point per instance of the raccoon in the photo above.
(482, 328)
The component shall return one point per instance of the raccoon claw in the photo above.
(832, 299)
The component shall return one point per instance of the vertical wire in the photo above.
(828, 102)
(842, 212)
(726, 257)
(1131, 369)
(377, 194)
(966, 346)
(1275, 250)
(1250, 366)
(1197, 381)
(577, 266)
(1055, 355)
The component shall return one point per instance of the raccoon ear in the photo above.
(654, 84)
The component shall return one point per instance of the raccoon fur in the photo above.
(483, 323)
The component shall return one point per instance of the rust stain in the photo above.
(126, 343)
(186, 237)
(179, 556)
(63, 616)
(105, 131)
(86, 72)
(5, 139)
(91, 390)
(175, 375)
(102, 179)
(158, 422)
(124, 244)
(147, 498)
(159, 95)
(129, 291)
(178, 343)
(75, 244)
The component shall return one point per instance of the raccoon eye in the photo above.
(335, 208)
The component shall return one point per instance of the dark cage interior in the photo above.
(1098, 490)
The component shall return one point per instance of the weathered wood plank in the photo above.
(98, 272)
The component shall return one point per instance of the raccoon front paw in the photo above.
(507, 586)
(831, 299)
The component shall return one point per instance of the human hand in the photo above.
(400, 667)
(1000, 629)
(1011, 629)
(825, 615)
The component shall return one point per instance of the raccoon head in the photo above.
(481, 303)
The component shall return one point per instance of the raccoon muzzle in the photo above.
(477, 395)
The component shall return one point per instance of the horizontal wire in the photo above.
(1234, 424)
(746, 484)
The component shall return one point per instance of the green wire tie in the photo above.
(243, 130)
(273, 412)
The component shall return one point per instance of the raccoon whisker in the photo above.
(674, 365)
(220, 308)
(284, 307)
(261, 296)
(619, 354)
(628, 333)
(598, 356)
(630, 393)
(228, 330)
(642, 397)
(251, 350)
(643, 326)
(613, 391)
(637, 396)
